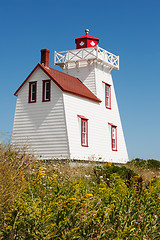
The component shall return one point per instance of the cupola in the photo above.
(86, 41)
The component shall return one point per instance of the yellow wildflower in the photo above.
(159, 197)
(50, 179)
(40, 168)
(89, 195)
(54, 176)
(75, 229)
(23, 178)
(109, 164)
(71, 199)
(102, 189)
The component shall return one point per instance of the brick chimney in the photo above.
(45, 57)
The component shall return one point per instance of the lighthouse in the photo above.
(88, 62)
(71, 114)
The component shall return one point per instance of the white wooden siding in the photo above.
(41, 126)
(99, 134)
(85, 73)
(53, 129)
(99, 131)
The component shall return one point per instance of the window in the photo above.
(113, 137)
(46, 90)
(84, 131)
(107, 95)
(32, 92)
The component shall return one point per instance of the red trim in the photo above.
(87, 36)
(43, 90)
(98, 100)
(112, 124)
(84, 145)
(84, 119)
(115, 127)
(107, 85)
(80, 116)
(29, 97)
(26, 79)
(79, 95)
(49, 75)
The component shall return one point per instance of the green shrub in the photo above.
(108, 168)
(145, 164)
(138, 162)
(153, 164)
(62, 202)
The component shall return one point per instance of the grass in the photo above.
(148, 169)
(56, 201)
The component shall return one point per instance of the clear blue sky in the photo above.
(130, 29)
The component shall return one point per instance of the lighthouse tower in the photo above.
(92, 65)
(71, 114)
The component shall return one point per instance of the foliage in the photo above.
(107, 169)
(58, 201)
(13, 167)
(153, 164)
(145, 164)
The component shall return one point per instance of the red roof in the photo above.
(87, 36)
(65, 82)
(86, 41)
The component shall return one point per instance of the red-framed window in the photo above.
(113, 137)
(46, 94)
(84, 131)
(107, 95)
(32, 92)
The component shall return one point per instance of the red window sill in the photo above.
(84, 145)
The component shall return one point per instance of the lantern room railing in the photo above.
(63, 57)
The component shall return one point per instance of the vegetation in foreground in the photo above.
(57, 201)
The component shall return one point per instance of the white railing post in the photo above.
(85, 54)
(97, 51)
(118, 62)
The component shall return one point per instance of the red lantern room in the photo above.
(86, 41)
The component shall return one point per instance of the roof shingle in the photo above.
(66, 83)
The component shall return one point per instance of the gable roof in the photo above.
(65, 82)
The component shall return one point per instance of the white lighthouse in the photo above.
(73, 114)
